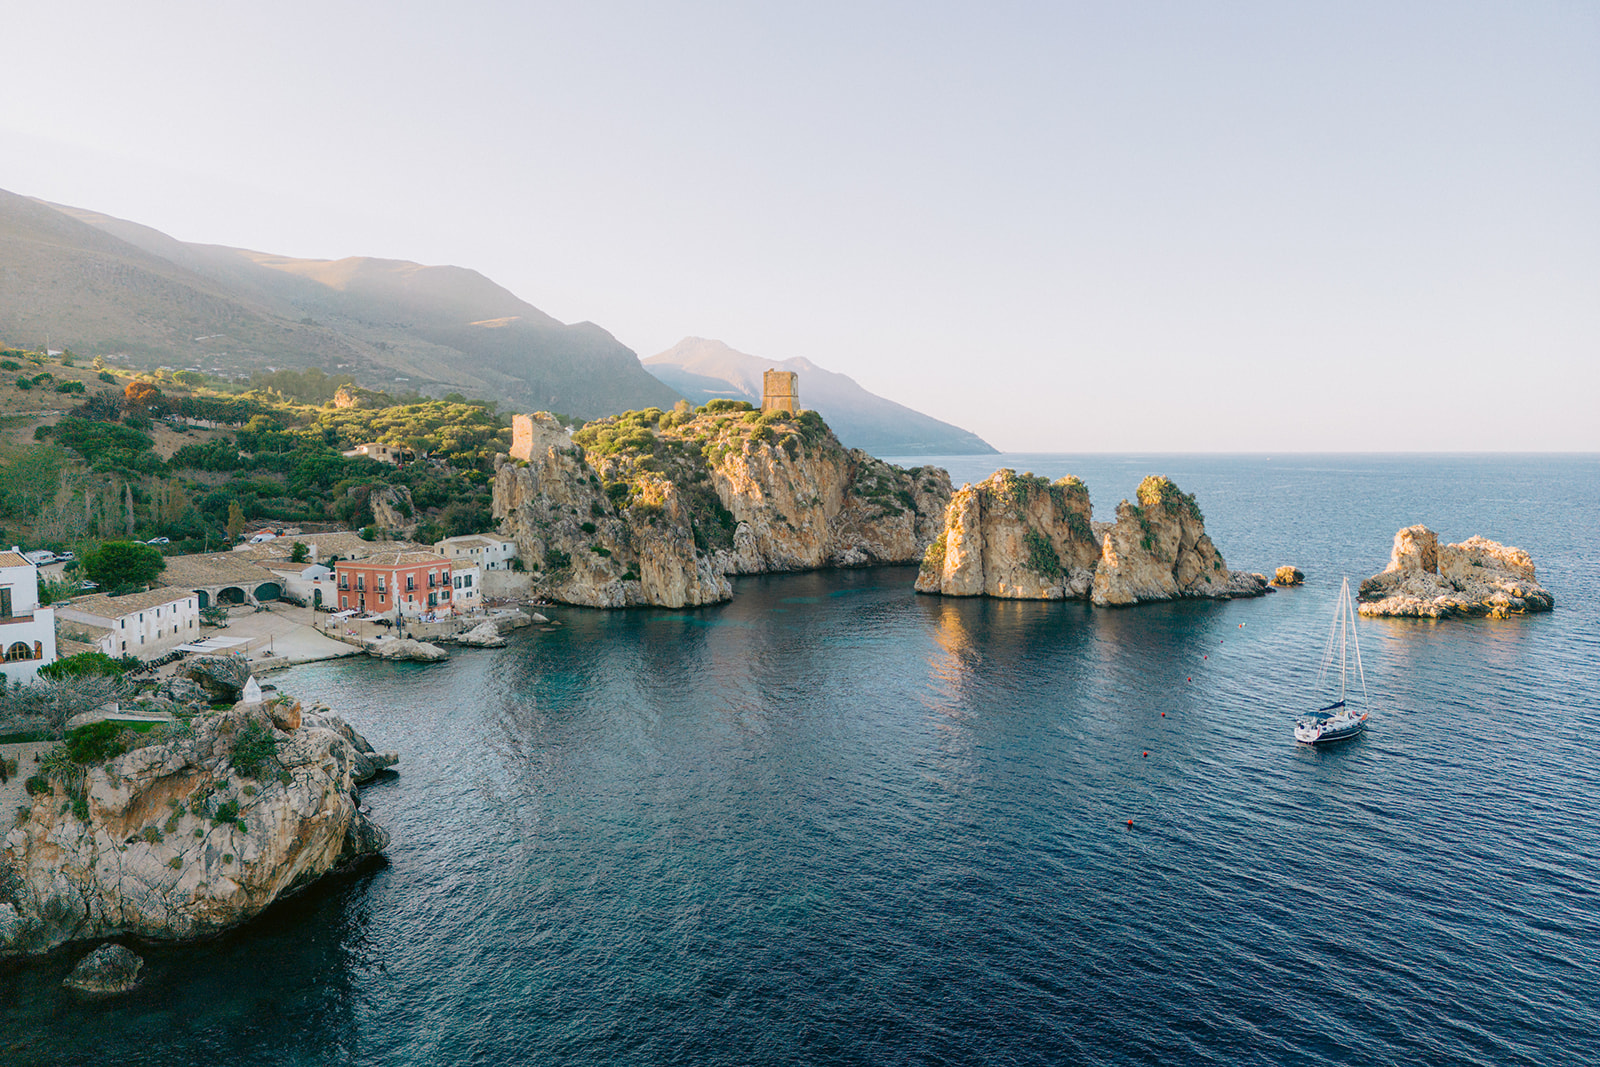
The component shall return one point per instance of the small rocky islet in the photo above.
(1475, 577)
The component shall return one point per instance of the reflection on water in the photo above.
(834, 822)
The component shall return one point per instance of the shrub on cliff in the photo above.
(255, 751)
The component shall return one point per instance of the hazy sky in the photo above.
(1111, 226)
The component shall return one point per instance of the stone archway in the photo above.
(231, 595)
(205, 598)
(268, 591)
(316, 598)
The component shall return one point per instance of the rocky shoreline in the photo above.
(190, 829)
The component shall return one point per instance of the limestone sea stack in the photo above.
(192, 832)
(1025, 537)
(659, 508)
(1474, 577)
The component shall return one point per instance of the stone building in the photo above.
(780, 391)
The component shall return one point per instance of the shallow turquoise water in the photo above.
(835, 822)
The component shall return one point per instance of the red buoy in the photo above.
(1130, 822)
(1147, 755)
(1163, 715)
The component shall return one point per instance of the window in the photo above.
(344, 603)
(466, 581)
(5, 603)
(411, 583)
(20, 650)
(380, 583)
(361, 582)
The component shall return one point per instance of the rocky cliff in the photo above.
(188, 834)
(1023, 537)
(1475, 577)
(659, 508)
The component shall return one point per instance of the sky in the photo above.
(1065, 226)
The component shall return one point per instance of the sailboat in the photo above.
(1337, 721)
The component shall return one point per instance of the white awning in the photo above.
(343, 614)
(214, 644)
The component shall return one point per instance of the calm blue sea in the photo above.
(834, 822)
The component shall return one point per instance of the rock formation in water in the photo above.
(1475, 577)
(659, 508)
(1014, 535)
(1023, 537)
(198, 829)
(108, 969)
(1288, 575)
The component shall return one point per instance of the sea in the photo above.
(837, 822)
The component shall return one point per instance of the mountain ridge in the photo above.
(99, 284)
(703, 369)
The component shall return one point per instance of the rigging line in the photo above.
(1356, 640)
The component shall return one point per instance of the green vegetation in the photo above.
(95, 743)
(120, 565)
(1042, 557)
(1156, 490)
(88, 663)
(255, 750)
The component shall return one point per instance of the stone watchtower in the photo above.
(780, 391)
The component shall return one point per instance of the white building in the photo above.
(135, 624)
(467, 580)
(489, 551)
(27, 631)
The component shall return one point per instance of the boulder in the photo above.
(484, 635)
(369, 762)
(1288, 576)
(108, 969)
(221, 678)
(404, 648)
(1476, 577)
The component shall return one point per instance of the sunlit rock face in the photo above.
(1425, 579)
(1015, 536)
(190, 835)
(660, 508)
(1024, 537)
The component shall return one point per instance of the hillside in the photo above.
(100, 286)
(704, 370)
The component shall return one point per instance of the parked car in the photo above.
(68, 556)
(159, 541)
(40, 556)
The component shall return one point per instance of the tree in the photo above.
(235, 520)
(141, 396)
(120, 564)
(298, 552)
(50, 704)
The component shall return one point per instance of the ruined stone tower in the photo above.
(780, 391)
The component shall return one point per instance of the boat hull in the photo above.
(1322, 735)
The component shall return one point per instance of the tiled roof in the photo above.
(115, 607)
(213, 568)
(12, 559)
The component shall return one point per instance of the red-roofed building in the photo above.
(396, 583)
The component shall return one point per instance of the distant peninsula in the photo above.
(704, 370)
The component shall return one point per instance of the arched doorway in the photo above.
(316, 598)
(231, 595)
(269, 591)
(205, 598)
